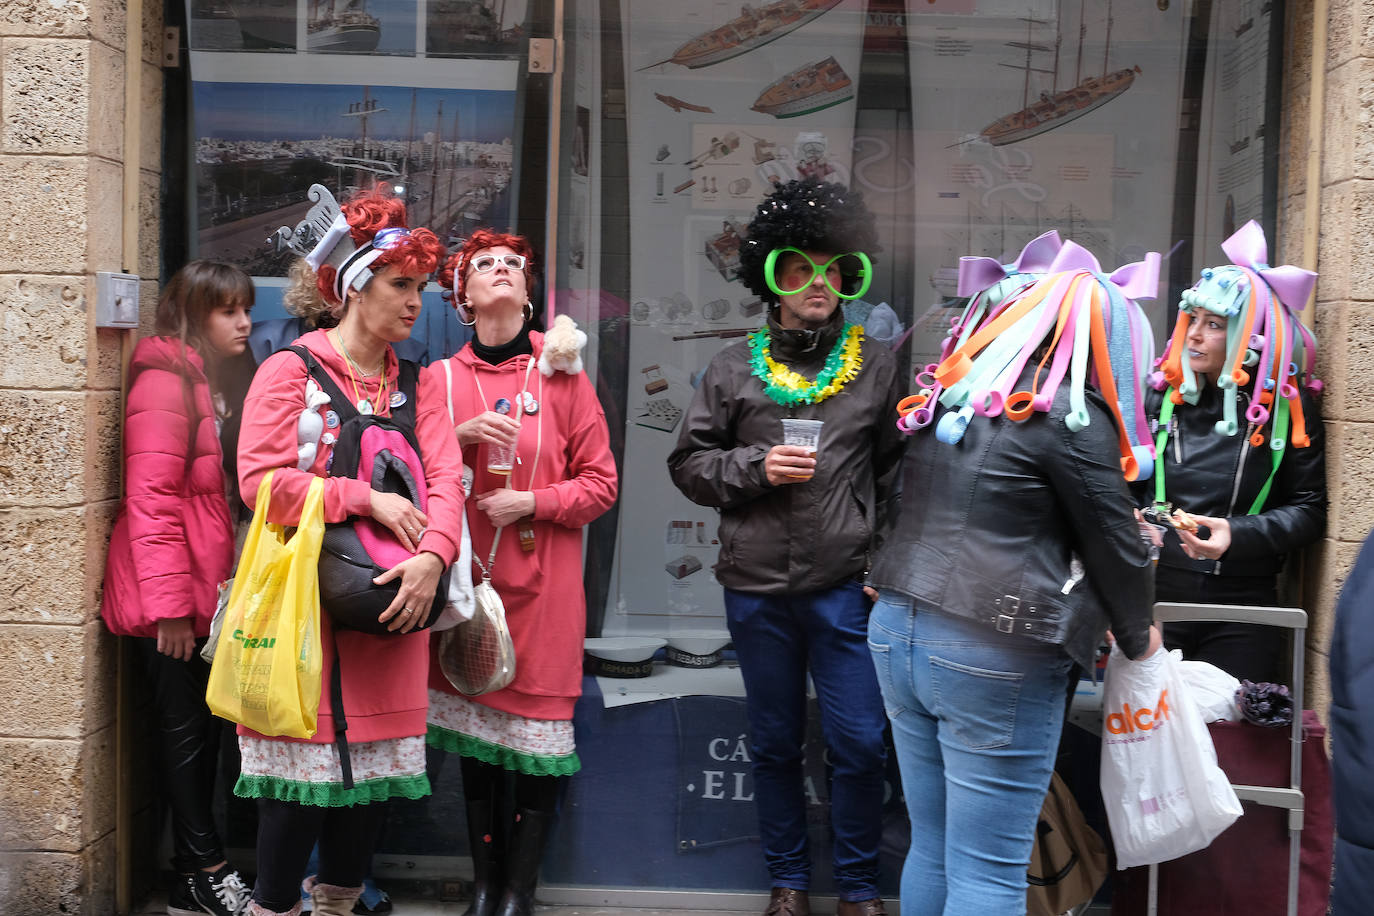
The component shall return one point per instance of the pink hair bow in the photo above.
(1139, 280)
(1247, 248)
(977, 274)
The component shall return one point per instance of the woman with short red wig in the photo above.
(561, 477)
(367, 271)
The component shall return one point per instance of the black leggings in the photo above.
(1247, 651)
(287, 831)
(189, 747)
(484, 782)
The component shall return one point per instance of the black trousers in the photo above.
(1245, 651)
(189, 747)
(288, 831)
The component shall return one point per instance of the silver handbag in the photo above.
(477, 656)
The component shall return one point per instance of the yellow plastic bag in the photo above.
(266, 673)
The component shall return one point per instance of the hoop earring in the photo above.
(464, 307)
(528, 311)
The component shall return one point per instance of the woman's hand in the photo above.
(400, 515)
(1213, 547)
(490, 427)
(419, 577)
(1156, 642)
(176, 637)
(505, 505)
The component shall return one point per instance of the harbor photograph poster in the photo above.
(724, 100)
(467, 28)
(440, 131)
(1039, 115)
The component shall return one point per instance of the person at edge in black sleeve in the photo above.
(1246, 468)
(797, 525)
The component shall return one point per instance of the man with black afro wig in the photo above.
(797, 523)
(805, 214)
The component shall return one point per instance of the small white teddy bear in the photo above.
(310, 426)
(563, 345)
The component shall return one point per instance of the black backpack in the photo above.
(384, 452)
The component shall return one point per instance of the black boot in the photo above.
(486, 860)
(522, 867)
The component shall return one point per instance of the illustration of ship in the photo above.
(752, 28)
(457, 26)
(806, 90)
(679, 105)
(341, 25)
(214, 27)
(1058, 107)
(266, 23)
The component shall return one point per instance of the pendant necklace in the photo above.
(363, 403)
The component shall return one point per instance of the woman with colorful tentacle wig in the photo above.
(1016, 547)
(525, 517)
(367, 270)
(1240, 451)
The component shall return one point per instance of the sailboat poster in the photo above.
(1048, 115)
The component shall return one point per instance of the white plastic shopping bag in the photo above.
(1165, 794)
(1213, 690)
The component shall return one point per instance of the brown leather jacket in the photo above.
(796, 537)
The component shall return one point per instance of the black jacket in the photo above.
(1206, 473)
(1352, 738)
(988, 530)
(796, 537)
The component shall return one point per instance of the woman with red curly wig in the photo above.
(519, 738)
(368, 272)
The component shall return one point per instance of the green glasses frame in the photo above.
(865, 274)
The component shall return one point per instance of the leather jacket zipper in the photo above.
(1240, 469)
(1177, 435)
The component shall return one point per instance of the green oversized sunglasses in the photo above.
(853, 264)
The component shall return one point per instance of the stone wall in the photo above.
(1344, 312)
(62, 117)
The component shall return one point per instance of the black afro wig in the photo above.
(810, 215)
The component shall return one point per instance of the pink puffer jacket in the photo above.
(173, 542)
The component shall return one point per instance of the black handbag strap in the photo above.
(340, 718)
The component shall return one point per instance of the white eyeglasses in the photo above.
(487, 262)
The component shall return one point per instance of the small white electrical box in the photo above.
(116, 300)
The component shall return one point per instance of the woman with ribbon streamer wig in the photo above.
(535, 436)
(1240, 480)
(172, 546)
(367, 270)
(1016, 547)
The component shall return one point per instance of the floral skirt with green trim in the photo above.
(310, 773)
(537, 747)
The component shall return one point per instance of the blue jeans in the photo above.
(777, 638)
(976, 718)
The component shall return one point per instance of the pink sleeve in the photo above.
(443, 462)
(157, 434)
(591, 484)
(267, 442)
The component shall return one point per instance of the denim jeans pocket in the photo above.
(978, 704)
(883, 660)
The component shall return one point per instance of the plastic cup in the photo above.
(500, 459)
(803, 433)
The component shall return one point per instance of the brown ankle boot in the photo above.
(787, 901)
(331, 899)
(873, 907)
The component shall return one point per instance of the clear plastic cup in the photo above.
(804, 433)
(500, 459)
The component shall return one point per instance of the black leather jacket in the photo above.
(988, 530)
(795, 537)
(1209, 474)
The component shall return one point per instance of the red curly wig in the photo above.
(369, 212)
(454, 273)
